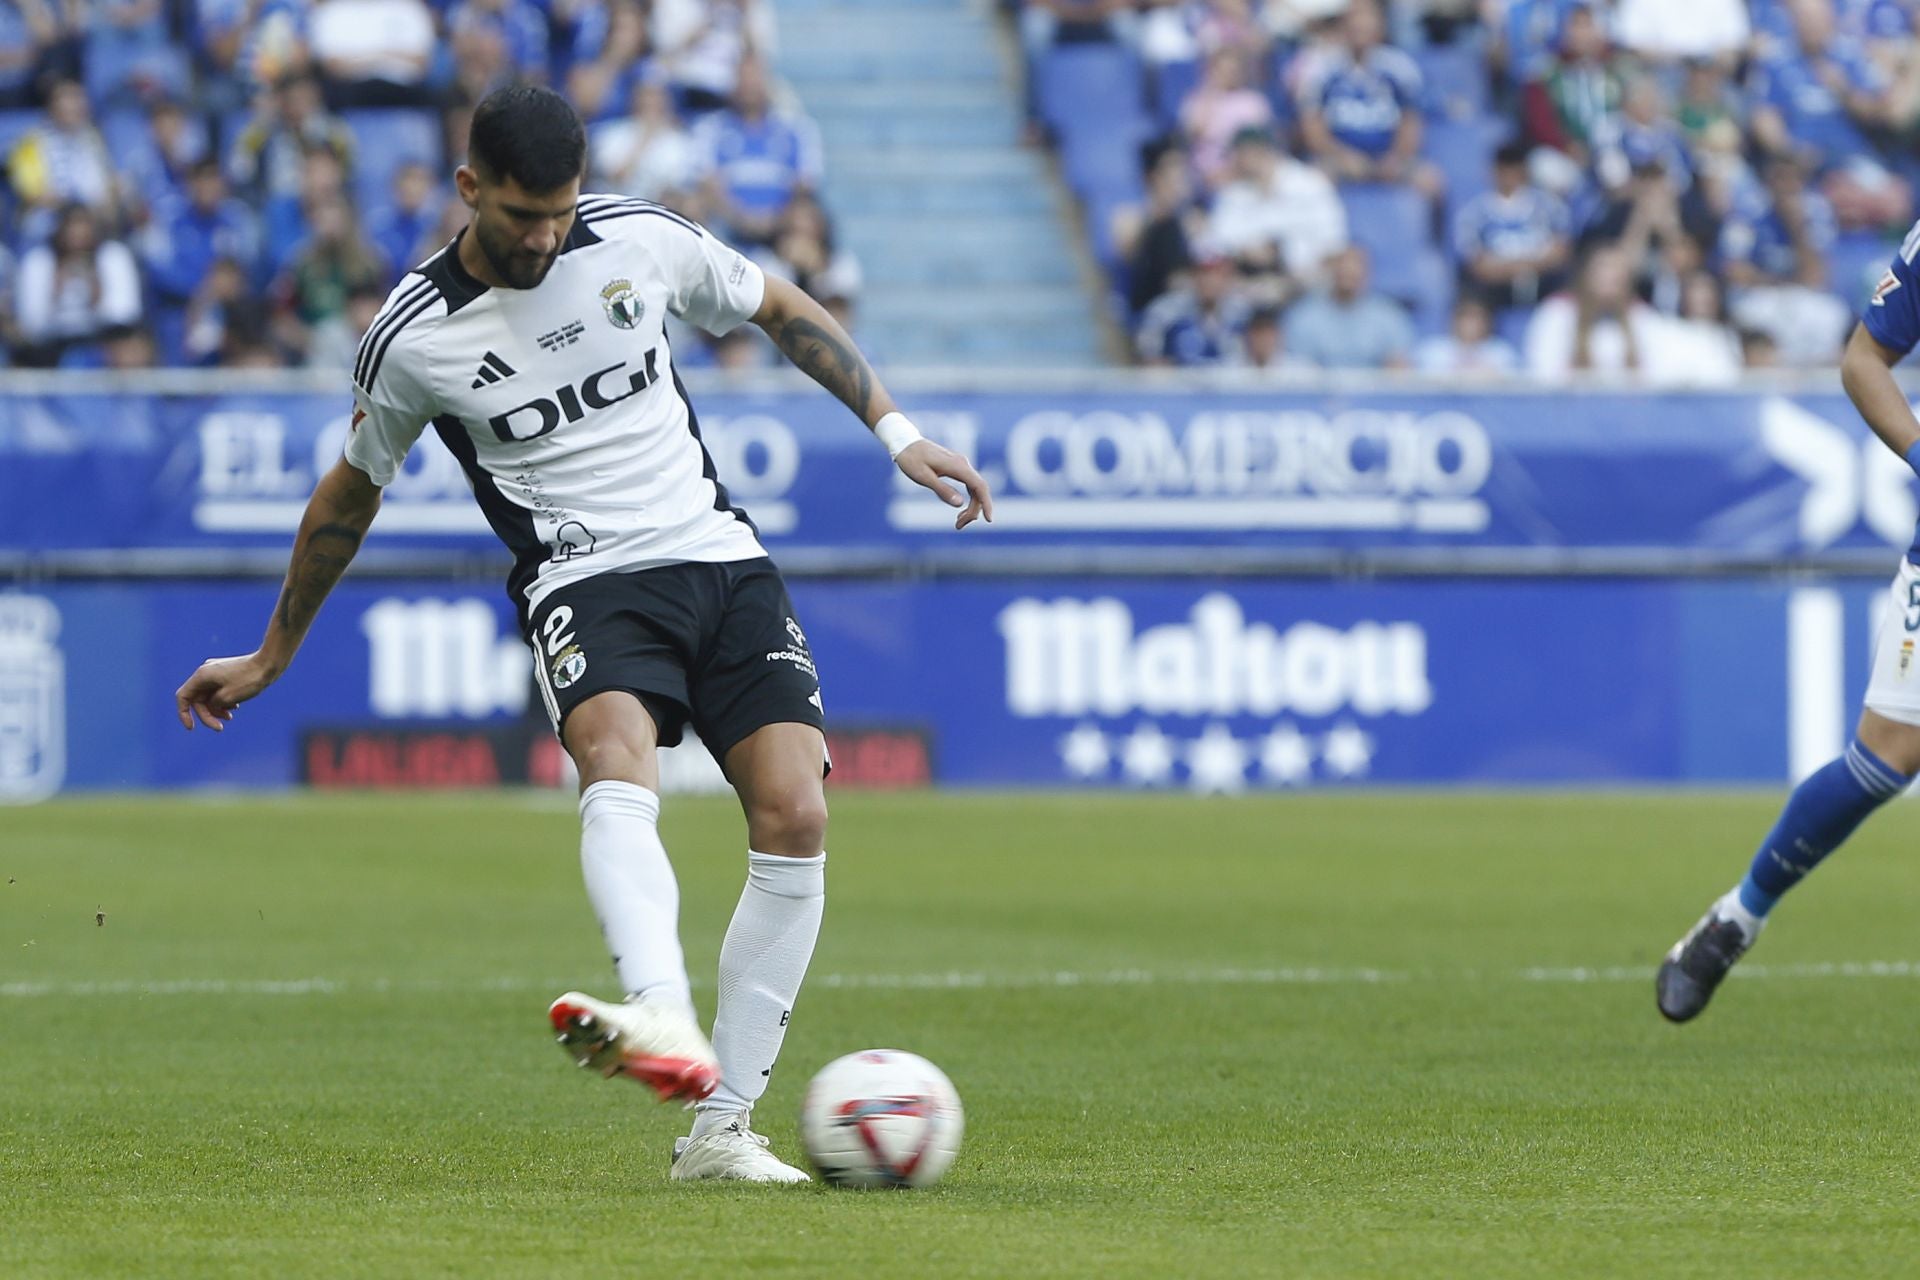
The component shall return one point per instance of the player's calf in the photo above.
(1818, 818)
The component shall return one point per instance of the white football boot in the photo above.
(656, 1042)
(731, 1152)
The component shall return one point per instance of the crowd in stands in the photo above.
(1672, 190)
(239, 183)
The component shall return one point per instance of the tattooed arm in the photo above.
(337, 516)
(821, 349)
(816, 344)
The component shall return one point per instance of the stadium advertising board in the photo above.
(1728, 474)
(1220, 685)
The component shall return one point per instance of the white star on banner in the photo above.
(1217, 762)
(1085, 752)
(1348, 750)
(1286, 755)
(1147, 755)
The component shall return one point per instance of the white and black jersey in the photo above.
(561, 401)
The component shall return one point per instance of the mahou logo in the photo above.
(1071, 657)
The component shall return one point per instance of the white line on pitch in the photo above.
(953, 981)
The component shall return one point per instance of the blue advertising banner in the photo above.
(1215, 685)
(1709, 474)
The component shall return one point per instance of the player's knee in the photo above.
(614, 757)
(790, 821)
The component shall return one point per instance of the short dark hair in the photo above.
(1512, 154)
(529, 134)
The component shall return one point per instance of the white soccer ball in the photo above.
(881, 1118)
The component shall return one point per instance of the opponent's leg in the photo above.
(653, 1037)
(1819, 816)
(777, 772)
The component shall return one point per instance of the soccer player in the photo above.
(533, 344)
(1884, 755)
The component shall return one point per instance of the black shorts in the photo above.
(712, 645)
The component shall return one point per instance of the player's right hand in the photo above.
(220, 685)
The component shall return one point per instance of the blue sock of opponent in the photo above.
(1822, 812)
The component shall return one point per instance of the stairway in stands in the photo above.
(966, 249)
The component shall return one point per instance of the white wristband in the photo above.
(896, 433)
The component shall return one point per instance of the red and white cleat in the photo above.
(653, 1041)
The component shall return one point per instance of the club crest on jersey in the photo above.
(623, 308)
(568, 666)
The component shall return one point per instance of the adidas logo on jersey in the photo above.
(492, 369)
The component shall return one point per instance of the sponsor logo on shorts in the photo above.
(1906, 657)
(568, 666)
(796, 653)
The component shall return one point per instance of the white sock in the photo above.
(1729, 907)
(631, 885)
(762, 963)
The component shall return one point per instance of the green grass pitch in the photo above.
(1353, 1035)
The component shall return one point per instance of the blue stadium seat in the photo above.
(1089, 88)
(1172, 82)
(13, 126)
(1428, 290)
(125, 130)
(1392, 223)
(1104, 165)
(1386, 218)
(1463, 152)
(1279, 92)
(386, 138)
(1456, 76)
(1856, 262)
(1511, 323)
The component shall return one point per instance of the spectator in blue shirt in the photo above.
(1200, 324)
(1821, 98)
(244, 46)
(27, 29)
(1527, 38)
(62, 160)
(1644, 135)
(186, 236)
(128, 53)
(1773, 254)
(269, 155)
(1346, 325)
(603, 52)
(519, 25)
(1043, 23)
(1512, 242)
(403, 230)
(1780, 238)
(1872, 20)
(1360, 105)
(158, 168)
(286, 219)
(758, 159)
(1816, 94)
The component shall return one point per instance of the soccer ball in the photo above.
(881, 1118)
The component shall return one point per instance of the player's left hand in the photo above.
(927, 464)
